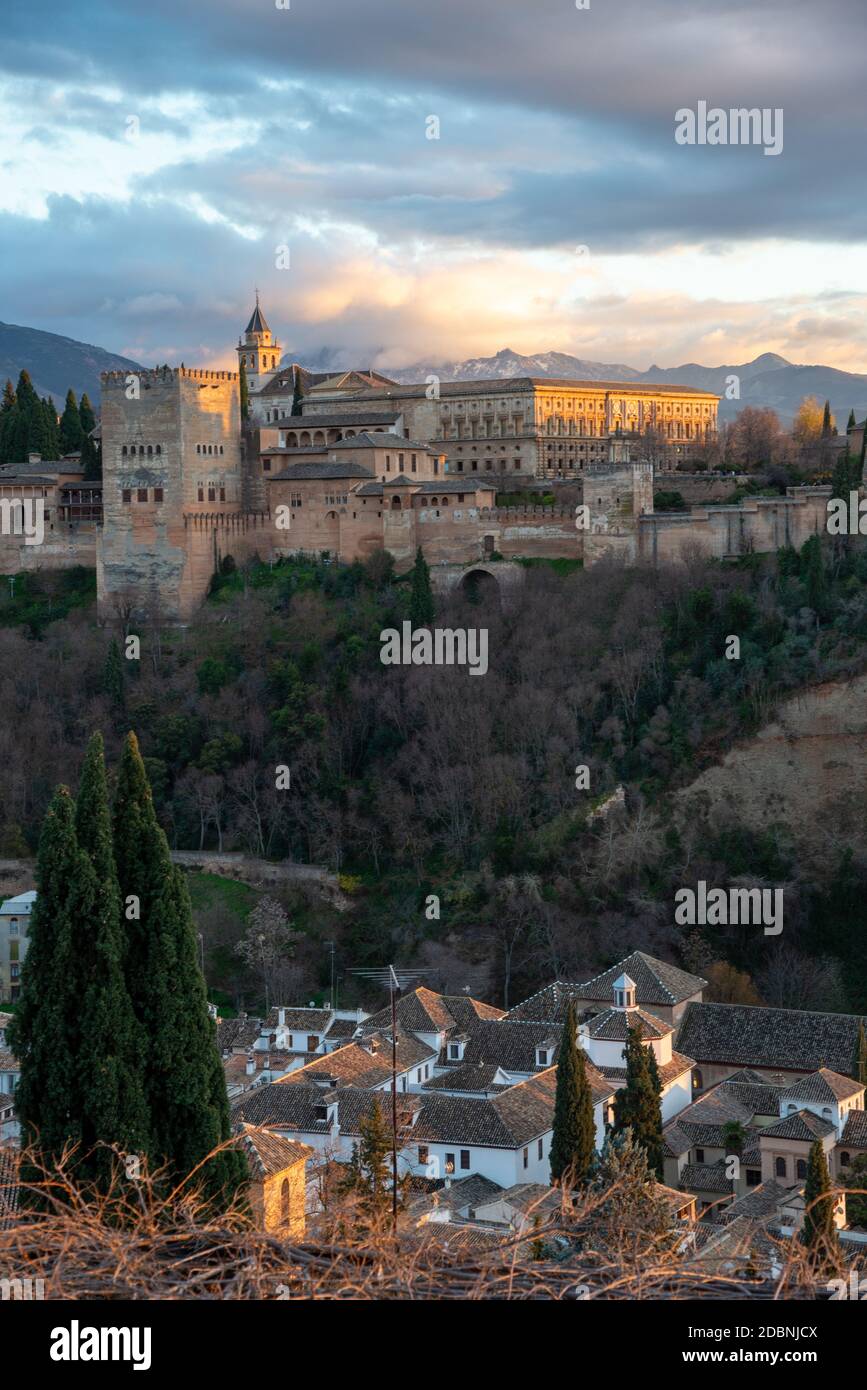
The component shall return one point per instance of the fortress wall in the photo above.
(765, 524)
(61, 550)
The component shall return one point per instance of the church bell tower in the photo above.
(258, 351)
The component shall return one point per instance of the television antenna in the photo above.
(395, 981)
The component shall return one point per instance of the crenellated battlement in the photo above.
(519, 513)
(152, 376)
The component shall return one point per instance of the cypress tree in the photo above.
(826, 420)
(71, 432)
(244, 390)
(421, 603)
(573, 1141)
(50, 431)
(819, 1233)
(91, 460)
(636, 1105)
(859, 1060)
(8, 407)
(44, 1029)
(86, 414)
(108, 1088)
(851, 422)
(297, 391)
(112, 677)
(369, 1170)
(184, 1084)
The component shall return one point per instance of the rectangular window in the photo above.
(541, 1148)
(422, 1153)
(312, 1042)
(158, 494)
(142, 494)
(222, 494)
(13, 926)
(450, 1163)
(699, 1155)
(13, 950)
(211, 495)
(126, 496)
(413, 464)
(526, 1157)
(465, 1158)
(266, 465)
(201, 494)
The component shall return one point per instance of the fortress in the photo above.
(353, 463)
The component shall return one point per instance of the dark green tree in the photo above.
(368, 1173)
(819, 1233)
(71, 431)
(813, 574)
(827, 424)
(421, 603)
(43, 1033)
(297, 390)
(244, 390)
(851, 422)
(7, 421)
(636, 1105)
(856, 1191)
(184, 1084)
(573, 1140)
(108, 1086)
(86, 414)
(113, 677)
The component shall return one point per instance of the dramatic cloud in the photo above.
(156, 158)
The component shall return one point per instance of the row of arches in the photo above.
(209, 448)
(141, 451)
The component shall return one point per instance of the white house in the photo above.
(603, 1037)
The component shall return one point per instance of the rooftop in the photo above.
(751, 1035)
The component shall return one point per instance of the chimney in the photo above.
(251, 1064)
(281, 1017)
(34, 458)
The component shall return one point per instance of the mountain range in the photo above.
(769, 380)
(55, 363)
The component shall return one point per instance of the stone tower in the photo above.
(259, 351)
(173, 491)
(617, 495)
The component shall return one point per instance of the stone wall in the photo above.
(763, 524)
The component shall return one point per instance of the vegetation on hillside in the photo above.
(450, 801)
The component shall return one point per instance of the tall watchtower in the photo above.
(258, 351)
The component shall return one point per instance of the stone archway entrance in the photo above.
(480, 586)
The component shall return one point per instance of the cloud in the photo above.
(261, 127)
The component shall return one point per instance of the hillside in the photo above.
(56, 363)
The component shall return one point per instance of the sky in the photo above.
(428, 180)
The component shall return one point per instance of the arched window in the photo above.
(123, 451)
(395, 504)
(159, 449)
(150, 451)
(285, 1201)
(221, 448)
(802, 1167)
(780, 1167)
(844, 1159)
(826, 1112)
(445, 502)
